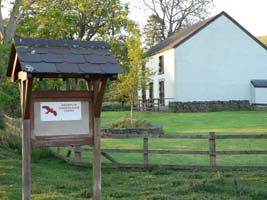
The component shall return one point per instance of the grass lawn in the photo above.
(53, 179)
(200, 123)
(242, 122)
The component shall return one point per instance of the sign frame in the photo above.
(62, 96)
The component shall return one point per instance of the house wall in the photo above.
(260, 96)
(167, 76)
(218, 63)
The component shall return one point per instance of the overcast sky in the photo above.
(252, 14)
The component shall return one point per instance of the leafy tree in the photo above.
(8, 26)
(137, 76)
(152, 31)
(74, 19)
(9, 92)
(174, 15)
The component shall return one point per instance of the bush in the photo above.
(39, 153)
(125, 122)
(10, 140)
(14, 142)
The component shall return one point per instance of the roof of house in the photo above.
(181, 36)
(259, 83)
(66, 58)
(262, 39)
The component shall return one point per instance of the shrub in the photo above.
(14, 142)
(125, 122)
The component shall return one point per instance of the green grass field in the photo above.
(243, 122)
(198, 123)
(53, 179)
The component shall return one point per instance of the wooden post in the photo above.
(212, 150)
(97, 160)
(145, 151)
(25, 101)
(26, 160)
(77, 153)
(58, 150)
(98, 90)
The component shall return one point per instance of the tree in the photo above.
(8, 26)
(177, 14)
(152, 31)
(75, 19)
(136, 76)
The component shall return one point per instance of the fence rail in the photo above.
(211, 152)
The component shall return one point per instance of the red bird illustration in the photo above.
(50, 110)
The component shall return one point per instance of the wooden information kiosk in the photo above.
(61, 118)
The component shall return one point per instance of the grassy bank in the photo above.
(55, 180)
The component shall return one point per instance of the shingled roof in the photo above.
(259, 83)
(181, 36)
(61, 58)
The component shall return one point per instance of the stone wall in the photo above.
(208, 106)
(153, 130)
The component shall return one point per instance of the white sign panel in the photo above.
(60, 111)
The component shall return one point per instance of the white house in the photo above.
(214, 60)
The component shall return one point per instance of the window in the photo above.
(161, 65)
(161, 92)
(143, 95)
(151, 95)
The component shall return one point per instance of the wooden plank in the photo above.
(164, 166)
(150, 151)
(63, 140)
(133, 135)
(62, 95)
(249, 152)
(249, 136)
(109, 157)
(26, 160)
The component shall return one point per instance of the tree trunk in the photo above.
(132, 113)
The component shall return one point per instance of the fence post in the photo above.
(212, 150)
(58, 150)
(146, 151)
(77, 153)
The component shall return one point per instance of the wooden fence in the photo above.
(212, 152)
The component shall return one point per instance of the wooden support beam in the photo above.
(26, 160)
(99, 89)
(22, 76)
(27, 98)
(99, 97)
(96, 160)
(13, 75)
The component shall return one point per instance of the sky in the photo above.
(251, 14)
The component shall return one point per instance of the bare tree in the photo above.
(8, 26)
(177, 14)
